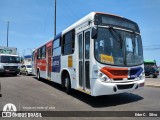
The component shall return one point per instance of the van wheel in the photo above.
(151, 76)
(155, 76)
(26, 73)
(67, 84)
(15, 74)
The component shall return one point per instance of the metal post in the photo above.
(54, 17)
(7, 32)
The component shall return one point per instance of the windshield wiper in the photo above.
(133, 42)
(116, 36)
(119, 39)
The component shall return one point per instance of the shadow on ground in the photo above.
(153, 77)
(100, 101)
(8, 75)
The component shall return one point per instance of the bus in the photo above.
(151, 68)
(101, 54)
(9, 61)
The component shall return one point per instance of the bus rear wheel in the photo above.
(67, 84)
(38, 75)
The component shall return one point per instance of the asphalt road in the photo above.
(30, 94)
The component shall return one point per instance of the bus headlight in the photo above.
(103, 77)
(100, 74)
(1, 67)
(142, 76)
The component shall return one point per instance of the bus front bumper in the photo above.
(104, 88)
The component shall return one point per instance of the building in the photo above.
(27, 60)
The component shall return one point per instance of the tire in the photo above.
(15, 74)
(1, 75)
(155, 76)
(151, 75)
(26, 73)
(0, 90)
(38, 75)
(67, 84)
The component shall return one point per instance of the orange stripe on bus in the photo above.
(115, 73)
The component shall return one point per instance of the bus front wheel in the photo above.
(67, 84)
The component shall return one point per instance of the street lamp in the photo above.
(7, 32)
(54, 17)
(23, 53)
(7, 29)
(30, 50)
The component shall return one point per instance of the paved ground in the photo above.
(27, 92)
(152, 82)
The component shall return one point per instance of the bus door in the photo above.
(49, 66)
(35, 62)
(84, 59)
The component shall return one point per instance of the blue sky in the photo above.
(32, 23)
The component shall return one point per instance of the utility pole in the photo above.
(23, 53)
(7, 32)
(54, 17)
(30, 50)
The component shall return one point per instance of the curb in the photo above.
(155, 86)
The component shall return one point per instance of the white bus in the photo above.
(9, 61)
(101, 54)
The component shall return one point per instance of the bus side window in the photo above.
(33, 53)
(56, 47)
(87, 44)
(43, 52)
(39, 53)
(68, 43)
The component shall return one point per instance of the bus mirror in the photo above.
(94, 32)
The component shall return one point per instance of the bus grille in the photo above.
(115, 73)
(119, 72)
(121, 87)
(135, 72)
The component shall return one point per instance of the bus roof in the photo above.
(79, 22)
(48, 41)
(108, 14)
(8, 55)
(88, 17)
(149, 61)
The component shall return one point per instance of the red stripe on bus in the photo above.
(42, 64)
(115, 73)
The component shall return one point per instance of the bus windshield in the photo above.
(9, 59)
(117, 47)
